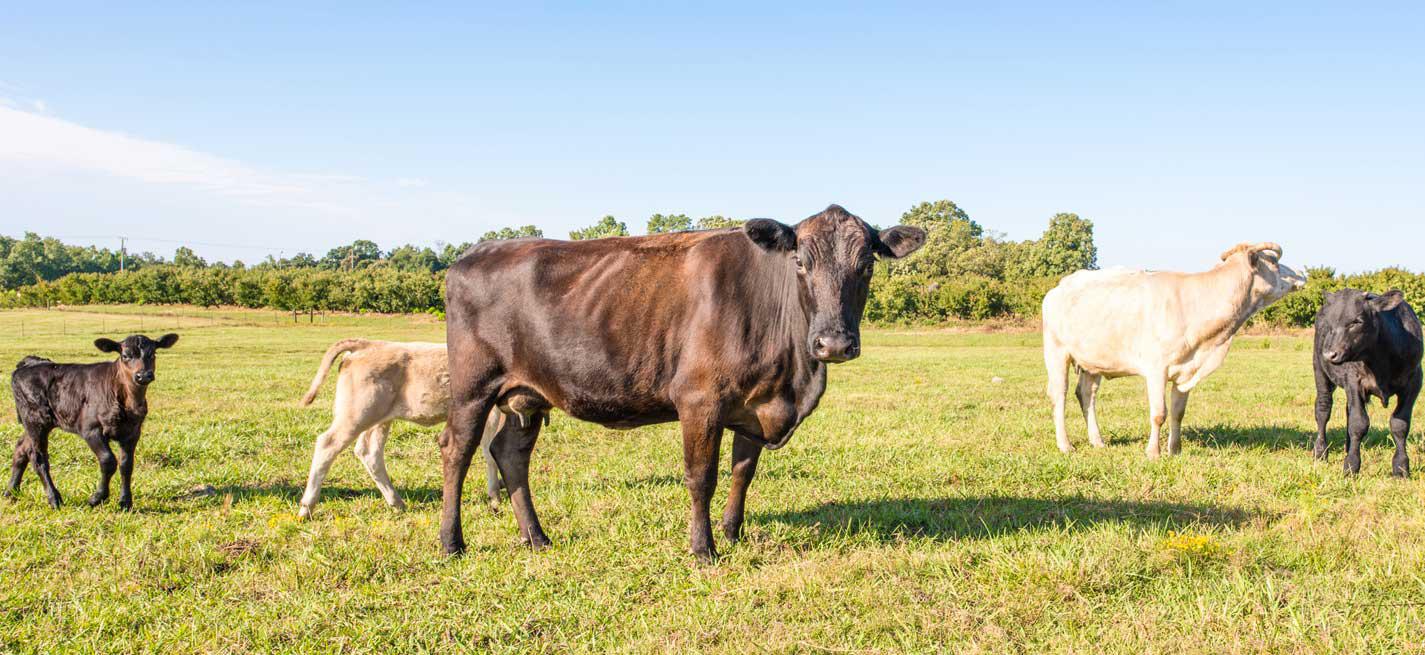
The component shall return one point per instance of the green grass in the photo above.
(923, 508)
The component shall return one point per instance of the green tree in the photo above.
(347, 258)
(184, 257)
(660, 223)
(607, 226)
(450, 252)
(718, 221)
(511, 233)
(411, 258)
(950, 235)
(1066, 246)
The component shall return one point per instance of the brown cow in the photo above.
(99, 402)
(728, 328)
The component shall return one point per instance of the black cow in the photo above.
(723, 329)
(99, 402)
(1368, 345)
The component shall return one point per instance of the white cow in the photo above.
(379, 382)
(1171, 328)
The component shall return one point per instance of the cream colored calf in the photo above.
(380, 382)
(1173, 329)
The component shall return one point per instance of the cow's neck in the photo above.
(132, 396)
(787, 335)
(1222, 301)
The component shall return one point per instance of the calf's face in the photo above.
(136, 354)
(1273, 279)
(834, 253)
(1352, 320)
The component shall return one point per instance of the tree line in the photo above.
(965, 271)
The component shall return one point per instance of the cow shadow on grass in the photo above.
(1278, 437)
(984, 517)
(291, 491)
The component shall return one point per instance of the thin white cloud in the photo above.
(411, 183)
(33, 139)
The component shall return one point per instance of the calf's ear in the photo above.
(107, 345)
(770, 235)
(1388, 301)
(900, 241)
(167, 340)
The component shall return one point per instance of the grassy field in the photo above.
(923, 508)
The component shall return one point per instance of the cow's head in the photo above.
(834, 253)
(136, 354)
(1351, 321)
(1271, 279)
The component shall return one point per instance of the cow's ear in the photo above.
(1388, 301)
(770, 235)
(107, 345)
(900, 241)
(167, 340)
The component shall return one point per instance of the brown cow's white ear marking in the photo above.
(107, 345)
(900, 241)
(167, 340)
(770, 235)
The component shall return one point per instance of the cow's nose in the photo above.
(834, 348)
(1333, 356)
(143, 377)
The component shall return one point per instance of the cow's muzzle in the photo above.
(835, 348)
(143, 377)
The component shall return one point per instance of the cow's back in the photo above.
(411, 377)
(603, 328)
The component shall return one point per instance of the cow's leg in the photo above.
(493, 484)
(1400, 429)
(1358, 422)
(1175, 419)
(1157, 410)
(511, 448)
(108, 464)
(458, 443)
(337, 438)
(1087, 392)
(371, 450)
(702, 436)
(126, 471)
(1325, 392)
(745, 453)
(1057, 365)
(18, 463)
(39, 460)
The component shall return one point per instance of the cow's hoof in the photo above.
(732, 532)
(1399, 471)
(126, 504)
(303, 512)
(399, 505)
(55, 501)
(12, 494)
(537, 543)
(454, 549)
(96, 500)
(1066, 448)
(707, 556)
(1153, 454)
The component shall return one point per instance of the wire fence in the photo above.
(84, 321)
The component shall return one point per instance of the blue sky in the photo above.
(1179, 129)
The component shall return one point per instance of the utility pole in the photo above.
(122, 253)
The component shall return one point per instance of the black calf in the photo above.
(1368, 345)
(99, 402)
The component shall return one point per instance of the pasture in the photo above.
(922, 508)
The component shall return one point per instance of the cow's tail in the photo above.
(343, 346)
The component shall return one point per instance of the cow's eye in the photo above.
(797, 259)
